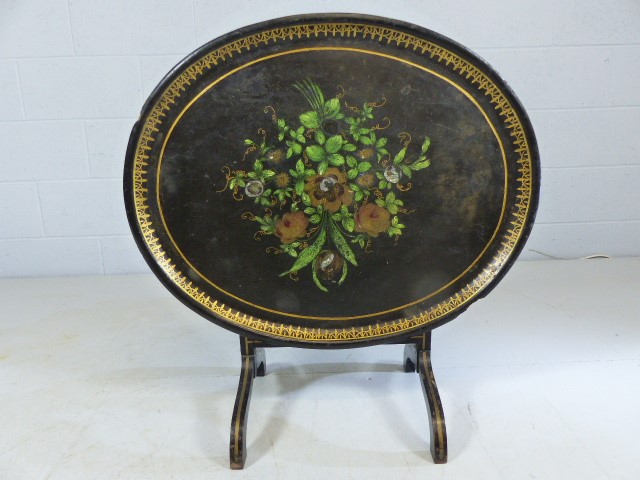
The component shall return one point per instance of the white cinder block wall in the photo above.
(74, 74)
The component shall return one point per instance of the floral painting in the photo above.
(326, 185)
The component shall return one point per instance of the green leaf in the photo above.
(308, 254)
(358, 196)
(268, 174)
(336, 159)
(333, 144)
(391, 197)
(351, 161)
(364, 166)
(349, 147)
(383, 184)
(344, 273)
(297, 148)
(425, 145)
(257, 166)
(341, 244)
(320, 138)
(400, 156)
(316, 280)
(365, 140)
(306, 199)
(300, 167)
(281, 123)
(289, 152)
(394, 221)
(323, 167)
(380, 202)
(349, 224)
(315, 218)
(310, 120)
(299, 187)
(309, 210)
(406, 171)
(393, 209)
(331, 108)
(248, 141)
(353, 173)
(421, 165)
(381, 142)
(315, 153)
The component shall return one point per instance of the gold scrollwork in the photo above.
(268, 109)
(405, 138)
(379, 127)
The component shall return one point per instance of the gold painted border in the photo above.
(357, 50)
(379, 33)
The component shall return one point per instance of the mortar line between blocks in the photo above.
(86, 148)
(44, 232)
(101, 253)
(193, 18)
(24, 112)
(73, 43)
(142, 90)
(611, 67)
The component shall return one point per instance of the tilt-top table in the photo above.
(331, 181)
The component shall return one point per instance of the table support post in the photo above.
(417, 357)
(253, 364)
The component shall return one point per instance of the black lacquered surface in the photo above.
(464, 216)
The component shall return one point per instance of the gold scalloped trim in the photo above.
(335, 335)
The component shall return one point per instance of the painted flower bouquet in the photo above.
(328, 184)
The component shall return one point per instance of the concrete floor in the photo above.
(111, 377)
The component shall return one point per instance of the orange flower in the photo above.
(291, 226)
(366, 180)
(372, 219)
(329, 190)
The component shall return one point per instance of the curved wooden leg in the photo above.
(437, 427)
(238, 442)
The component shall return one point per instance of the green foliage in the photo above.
(291, 161)
(341, 244)
(309, 254)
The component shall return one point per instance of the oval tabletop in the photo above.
(331, 180)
